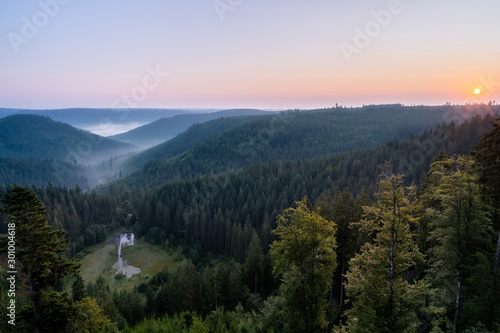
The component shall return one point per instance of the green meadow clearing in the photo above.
(99, 259)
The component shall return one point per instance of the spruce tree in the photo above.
(304, 259)
(460, 234)
(41, 251)
(78, 288)
(382, 294)
(487, 156)
(254, 262)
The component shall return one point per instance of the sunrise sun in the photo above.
(477, 91)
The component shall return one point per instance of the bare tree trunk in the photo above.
(330, 304)
(391, 269)
(393, 245)
(255, 278)
(216, 305)
(458, 302)
(342, 280)
(33, 304)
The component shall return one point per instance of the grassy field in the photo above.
(151, 259)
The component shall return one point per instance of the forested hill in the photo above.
(38, 137)
(256, 193)
(262, 191)
(94, 118)
(223, 225)
(289, 135)
(164, 129)
(35, 150)
(183, 142)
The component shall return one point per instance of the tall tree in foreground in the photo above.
(304, 259)
(460, 234)
(487, 156)
(347, 211)
(42, 253)
(383, 296)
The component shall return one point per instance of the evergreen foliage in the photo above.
(487, 156)
(39, 249)
(305, 260)
(460, 233)
(381, 289)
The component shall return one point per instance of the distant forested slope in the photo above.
(35, 150)
(289, 135)
(34, 172)
(261, 191)
(165, 129)
(256, 193)
(185, 141)
(32, 136)
(94, 117)
(223, 224)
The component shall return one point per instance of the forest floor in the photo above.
(98, 260)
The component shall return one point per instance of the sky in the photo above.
(268, 54)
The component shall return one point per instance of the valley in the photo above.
(236, 166)
(198, 226)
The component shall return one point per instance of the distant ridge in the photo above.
(102, 120)
(36, 150)
(218, 146)
(164, 129)
(39, 137)
(194, 135)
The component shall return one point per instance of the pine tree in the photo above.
(304, 259)
(78, 288)
(460, 231)
(254, 262)
(189, 287)
(381, 292)
(347, 211)
(487, 155)
(235, 285)
(41, 251)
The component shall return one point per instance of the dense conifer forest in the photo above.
(376, 219)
